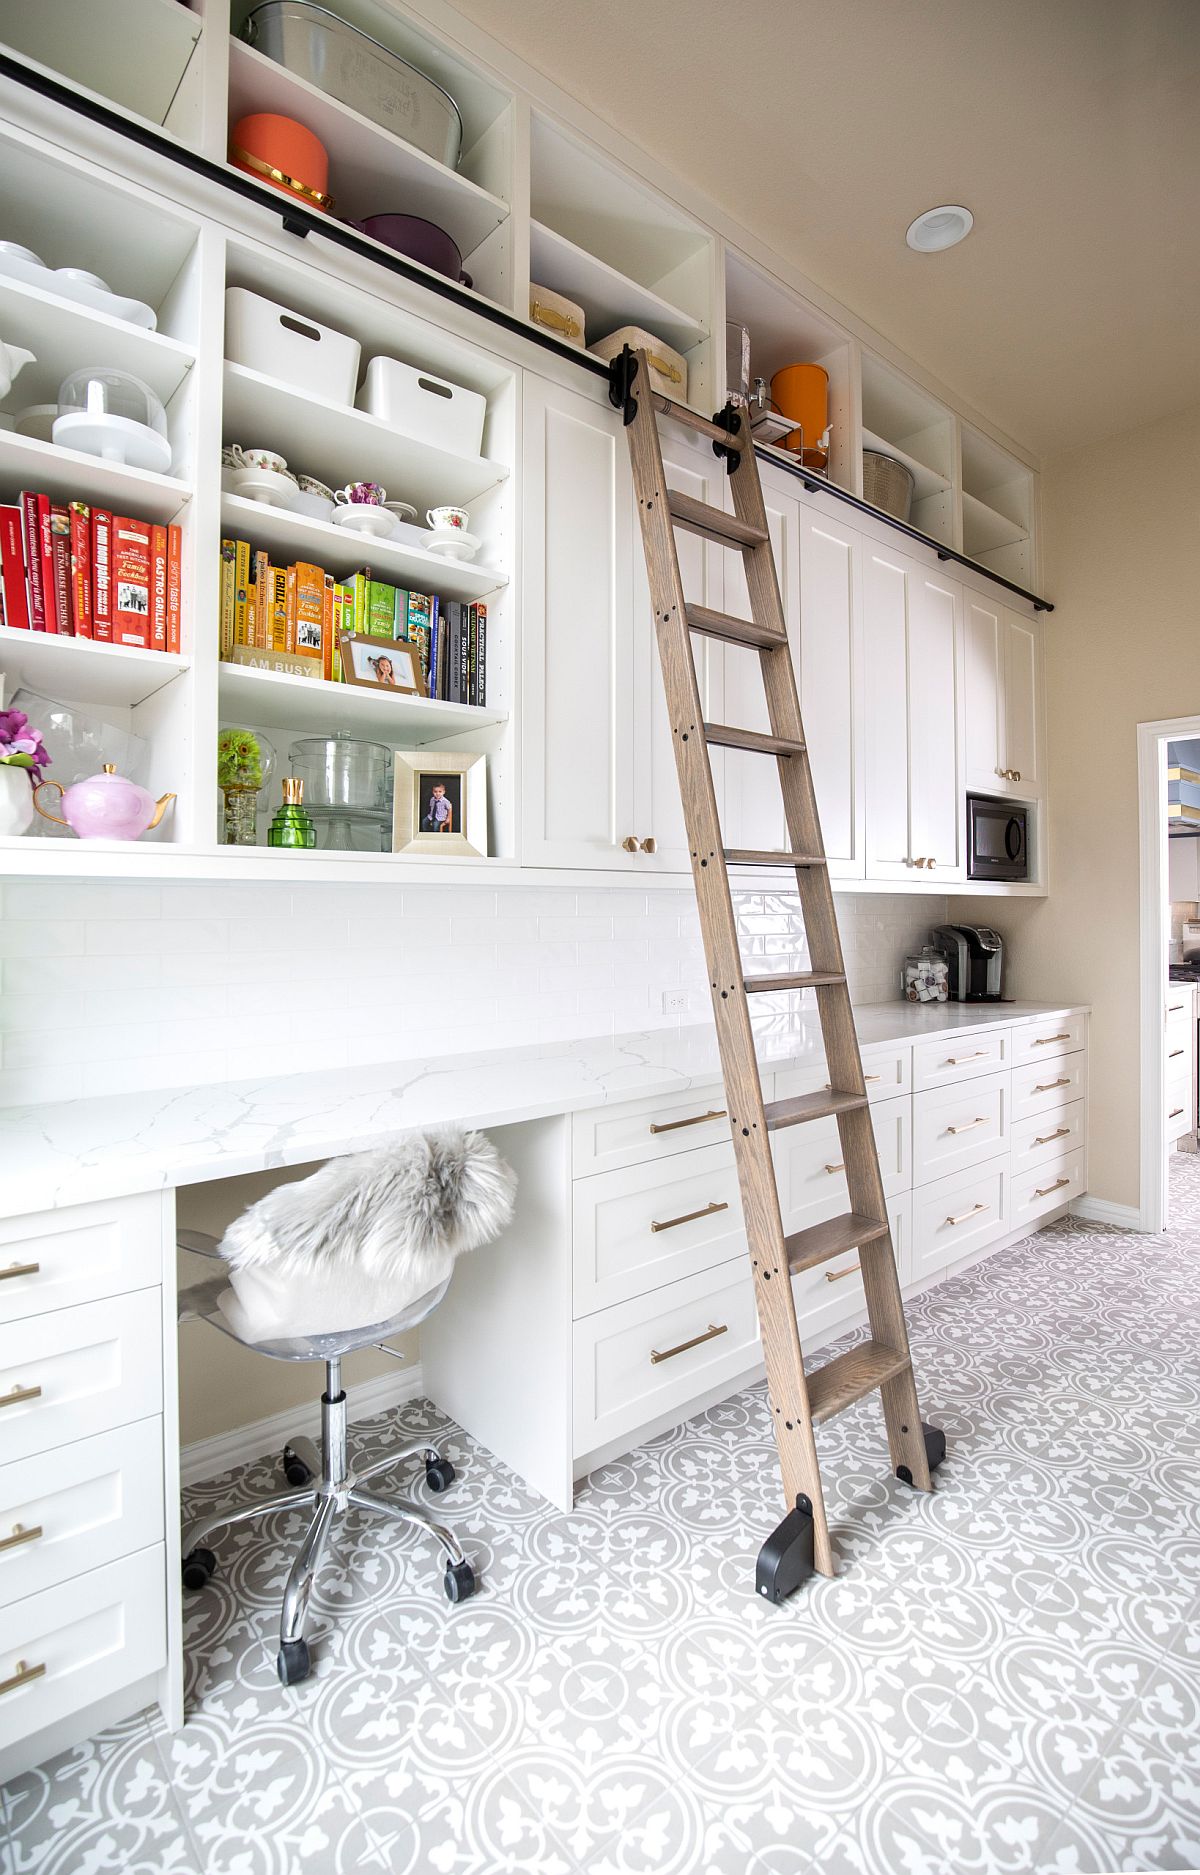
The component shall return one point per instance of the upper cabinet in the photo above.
(1002, 700)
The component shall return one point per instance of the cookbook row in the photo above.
(83, 572)
(300, 619)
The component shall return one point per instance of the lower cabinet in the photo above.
(957, 1216)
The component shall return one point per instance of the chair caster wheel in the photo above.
(459, 1582)
(935, 1451)
(295, 1470)
(199, 1567)
(292, 1663)
(439, 1474)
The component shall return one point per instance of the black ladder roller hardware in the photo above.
(799, 1400)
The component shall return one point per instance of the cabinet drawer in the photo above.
(887, 1071)
(639, 1131)
(1177, 1109)
(1042, 1085)
(1046, 1136)
(956, 1127)
(57, 1259)
(619, 1385)
(808, 1163)
(1046, 1188)
(1043, 1041)
(92, 1501)
(90, 1637)
(832, 1294)
(79, 1371)
(959, 1215)
(646, 1225)
(942, 1060)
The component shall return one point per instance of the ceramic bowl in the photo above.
(83, 278)
(15, 251)
(363, 517)
(454, 545)
(265, 485)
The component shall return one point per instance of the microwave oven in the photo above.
(997, 839)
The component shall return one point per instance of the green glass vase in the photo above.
(291, 825)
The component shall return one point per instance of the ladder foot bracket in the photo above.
(786, 1558)
(935, 1451)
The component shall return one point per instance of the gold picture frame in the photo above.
(439, 804)
(362, 657)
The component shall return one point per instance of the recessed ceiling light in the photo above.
(938, 228)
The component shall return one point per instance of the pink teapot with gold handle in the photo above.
(105, 807)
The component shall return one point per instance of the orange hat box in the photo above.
(802, 393)
(284, 154)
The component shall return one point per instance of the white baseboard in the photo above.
(208, 1458)
(1103, 1211)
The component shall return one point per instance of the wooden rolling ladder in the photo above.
(799, 1401)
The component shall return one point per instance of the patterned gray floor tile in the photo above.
(108, 1805)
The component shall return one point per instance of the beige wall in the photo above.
(1122, 526)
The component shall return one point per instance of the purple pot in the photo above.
(421, 240)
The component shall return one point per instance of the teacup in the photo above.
(313, 498)
(268, 459)
(403, 510)
(309, 485)
(439, 518)
(361, 495)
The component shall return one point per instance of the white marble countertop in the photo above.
(69, 1152)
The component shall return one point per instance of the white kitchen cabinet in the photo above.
(912, 630)
(1024, 729)
(578, 666)
(1002, 700)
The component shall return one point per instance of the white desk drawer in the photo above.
(58, 1259)
(1047, 1187)
(79, 1371)
(646, 1225)
(92, 1501)
(832, 1294)
(959, 1126)
(1043, 1041)
(887, 1071)
(1177, 1109)
(1180, 1007)
(959, 1215)
(90, 1637)
(808, 1163)
(639, 1131)
(944, 1059)
(1045, 1136)
(619, 1384)
(1043, 1085)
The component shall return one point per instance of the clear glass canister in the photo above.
(340, 772)
(925, 976)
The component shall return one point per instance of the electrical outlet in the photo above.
(675, 1002)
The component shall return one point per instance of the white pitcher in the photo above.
(12, 361)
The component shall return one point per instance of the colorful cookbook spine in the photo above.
(33, 561)
(242, 596)
(158, 588)
(481, 654)
(46, 556)
(228, 576)
(60, 567)
(81, 569)
(174, 589)
(341, 614)
(327, 627)
(12, 568)
(261, 628)
(132, 573)
(102, 588)
(310, 609)
(278, 639)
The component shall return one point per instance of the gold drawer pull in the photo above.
(968, 1125)
(22, 1676)
(956, 1061)
(1173, 1115)
(543, 315)
(1046, 1087)
(1043, 1191)
(697, 1119)
(964, 1215)
(1175, 1054)
(20, 1535)
(835, 1276)
(1044, 1139)
(836, 1168)
(689, 1217)
(18, 1393)
(664, 368)
(1044, 1041)
(872, 1077)
(19, 1269)
(668, 1354)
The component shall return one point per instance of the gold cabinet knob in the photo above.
(650, 844)
(931, 863)
(630, 843)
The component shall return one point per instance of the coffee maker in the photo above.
(976, 957)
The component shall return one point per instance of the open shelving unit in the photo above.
(997, 497)
(275, 700)
(294, 537)
(901, 420)
(135, 52)
(84, 670)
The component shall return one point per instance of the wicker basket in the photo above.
(887, 484)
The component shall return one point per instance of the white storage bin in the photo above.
(289, 346)
(419, 405)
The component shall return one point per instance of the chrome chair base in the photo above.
(325, 1483)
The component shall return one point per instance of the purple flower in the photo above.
(21, 746)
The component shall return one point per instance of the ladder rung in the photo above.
(699, 517)
(800, 980)
(802, 1107)
(737, 631)
(750, 856)
(667, 407)
(859, 1371)
(727, 738)
(820, 1243)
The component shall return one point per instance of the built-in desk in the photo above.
(542, 1348)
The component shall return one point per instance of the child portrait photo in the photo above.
(381, 664)
(440, 804)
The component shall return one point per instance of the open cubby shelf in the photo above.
(279, 700)
(83, 671)
(290, 537)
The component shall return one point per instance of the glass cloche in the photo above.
(114, 415)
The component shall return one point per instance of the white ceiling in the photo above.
(1071, 129)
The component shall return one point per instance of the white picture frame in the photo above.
(439, 804)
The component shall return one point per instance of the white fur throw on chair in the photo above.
(364, 1237)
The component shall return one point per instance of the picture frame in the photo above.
(439, 803)
(363, 657)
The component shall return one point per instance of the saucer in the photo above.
(265, 485)
(363, 517)
(454, 543)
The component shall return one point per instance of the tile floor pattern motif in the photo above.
(1004, 1677)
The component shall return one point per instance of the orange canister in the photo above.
(284, 154)
(802, 393)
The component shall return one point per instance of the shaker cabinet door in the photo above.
(828, 669)
(985, 645)
(934, 721)
(1023, 706)
(885, 635)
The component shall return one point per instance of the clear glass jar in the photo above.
(925, 976)
(339, 771)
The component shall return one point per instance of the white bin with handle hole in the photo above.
(430, 409)
(290, 346)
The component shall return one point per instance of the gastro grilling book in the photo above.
(132, 573)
